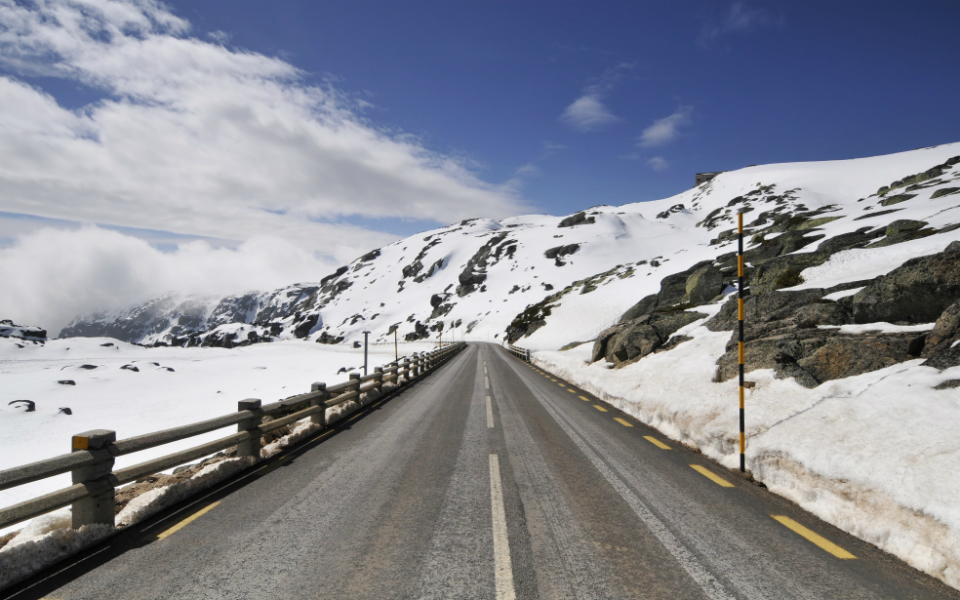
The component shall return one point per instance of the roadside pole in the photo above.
(740, 352)
(396, 353)
(366, 344)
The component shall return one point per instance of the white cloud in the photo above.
(51, 275)
(201, 140)
(666, 129)
(587, 113)
(658, 163)
(739, 18)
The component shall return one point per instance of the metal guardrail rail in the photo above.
(521, 353)
(93, 493)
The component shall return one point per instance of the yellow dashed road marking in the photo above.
(572, 391)
(819, 540)
(623, 422)
(584, 399)
(187, 521)
(656, 442)
(711, 476)
(600, 408)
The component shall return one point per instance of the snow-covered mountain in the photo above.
(558, 280)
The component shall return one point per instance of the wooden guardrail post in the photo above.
(98, 508)
(378, 374)
(250, 447)
(321, 417)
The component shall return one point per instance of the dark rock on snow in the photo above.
(630, 341)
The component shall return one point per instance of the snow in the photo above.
(842, 294)
(859, 264)
(870, 454)
(873, 454)
(879, 327)
(204, 383)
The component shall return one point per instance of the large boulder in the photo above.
(813, 356)
(702, 286)
(784, 271)
(765, 308)
(918, 291)
(942, 348)
(945, 333)
(644, 307)
(630, 341)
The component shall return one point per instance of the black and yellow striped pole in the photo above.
(740, 352)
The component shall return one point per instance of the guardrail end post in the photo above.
(98, 508)
(321, 417)
(250, 447)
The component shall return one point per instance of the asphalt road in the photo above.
(487, 479)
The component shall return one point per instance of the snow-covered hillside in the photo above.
(480, 274)
(852, 334)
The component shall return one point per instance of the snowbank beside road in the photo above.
(874, 454)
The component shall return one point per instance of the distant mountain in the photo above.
(551, 280)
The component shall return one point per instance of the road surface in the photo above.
(486, 479)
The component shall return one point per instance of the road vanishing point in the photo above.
(486, 479)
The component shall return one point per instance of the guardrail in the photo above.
(91, 462)
(521, 353)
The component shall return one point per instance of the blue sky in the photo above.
(221, 146)
(763, 81)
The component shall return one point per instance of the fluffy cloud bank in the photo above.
(50, 276)
(189, 139)
(195, 138)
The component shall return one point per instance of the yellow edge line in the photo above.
(585, 399)
(711, 476)
(600, 408)
(656, 442)
(623, 422)
(187, 521)
(819, 540)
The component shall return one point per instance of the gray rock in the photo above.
(945, 359)
(644, 307)
(948, 384)
(559, 252)
(635, 339)
(703, 285)
(916, 292)
(768, 307)
(784, 271)
(945, 333)
(580, 218)
(902, 226)
(848, 355)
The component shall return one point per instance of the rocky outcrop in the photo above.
(22, 332)
(916, 292)
(795, 332)
(580, 218)
(698, 285)
(559, 252)
(474, 273)
(942, 348)
(630, 341)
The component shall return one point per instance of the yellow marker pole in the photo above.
(740, 351)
